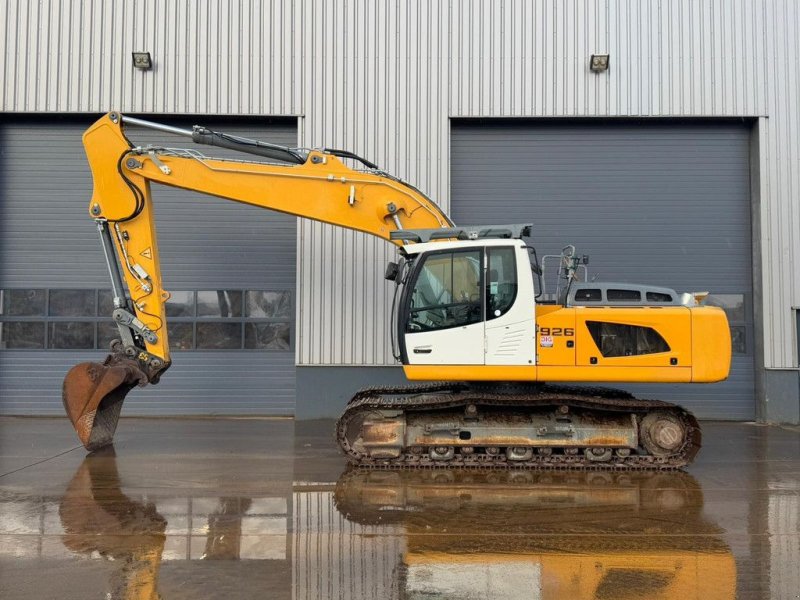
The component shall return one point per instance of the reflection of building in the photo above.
(549, 535)
(336, 558)
(784, 557)
(225, 528)
(154, 541)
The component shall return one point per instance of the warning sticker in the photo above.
(546, 341)
(147, 253)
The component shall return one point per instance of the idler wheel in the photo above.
(442, 453)
(598, 454)
(519, 453)
(662, 434)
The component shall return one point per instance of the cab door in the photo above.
(510, 307)
(443, 316)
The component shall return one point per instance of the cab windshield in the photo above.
(447, 292)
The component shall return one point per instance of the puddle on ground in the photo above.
(512, 534)
(259, 509)
(380, 534)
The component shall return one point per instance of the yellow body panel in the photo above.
(470, 372)
(711, 345)
(559, 354)
(679, 573)
(547, 373)
(698, 339)
(673, 323)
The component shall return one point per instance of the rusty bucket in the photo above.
(93, 394)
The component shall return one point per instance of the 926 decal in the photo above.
(557, 331)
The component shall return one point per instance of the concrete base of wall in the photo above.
(323, 392)
(781, 396)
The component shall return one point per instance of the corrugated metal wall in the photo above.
(47, 241)
(383, 78)
(655, 203)
(784, 556)
(336, 558)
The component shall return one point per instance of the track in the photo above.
(443, 396)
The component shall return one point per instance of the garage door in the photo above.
(230, 268)
(662, 204)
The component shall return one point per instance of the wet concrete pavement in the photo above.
(265, 508)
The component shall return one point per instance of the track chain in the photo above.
(448, 395)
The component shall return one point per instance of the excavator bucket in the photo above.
(93, 394)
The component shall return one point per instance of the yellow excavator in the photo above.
(467, 318)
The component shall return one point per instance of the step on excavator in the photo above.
(497, 363)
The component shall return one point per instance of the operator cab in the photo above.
(468, 301)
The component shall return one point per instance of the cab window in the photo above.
(501, 282)
(446, 292)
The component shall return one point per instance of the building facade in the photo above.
(677, 166)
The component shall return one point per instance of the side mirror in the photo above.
(392, 271)
(585, 259)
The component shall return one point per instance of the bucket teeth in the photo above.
(93, 394)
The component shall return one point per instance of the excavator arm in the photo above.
(313, 184)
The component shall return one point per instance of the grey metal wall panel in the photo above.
(378, 85)
(208, 243)
(383, 78)
(319, 570)
(392, 75)
(198, 383)
(47, 240)
(662, 204)
(234, 57)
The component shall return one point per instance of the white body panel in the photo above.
(454, 346)
(496, 577)
(507, 340)
(511, 338)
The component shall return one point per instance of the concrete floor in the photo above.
(209, 508)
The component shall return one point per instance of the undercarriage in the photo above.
(514, 426)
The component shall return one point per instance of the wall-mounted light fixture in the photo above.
(142, 60)
(598, 63)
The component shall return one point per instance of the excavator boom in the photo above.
(314, 184)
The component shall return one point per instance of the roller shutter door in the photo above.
(657, 203)
(214, 253)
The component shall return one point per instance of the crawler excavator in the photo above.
(498, 366)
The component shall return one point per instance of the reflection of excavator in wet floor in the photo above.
(505, 534)
(99, 518)
(466, 314)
